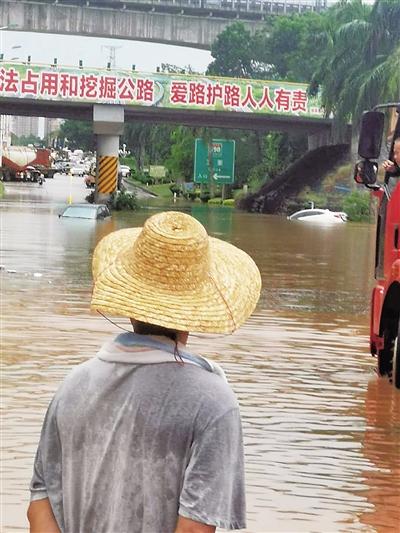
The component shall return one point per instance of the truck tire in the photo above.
(396, 360)
(385, 356)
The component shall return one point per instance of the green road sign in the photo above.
(214, 162)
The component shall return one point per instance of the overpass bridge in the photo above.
(193, 23)
(111, 97)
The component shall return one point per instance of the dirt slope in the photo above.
(307, 171)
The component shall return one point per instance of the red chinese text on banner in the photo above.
(178, 92)
(9, 81)
(30, 84)
(266, 100)
(69, 85)
(88, 86)
(126, 89)
(197, 93)
(299, 101)
(282, 99)
(145, 90)
(249, 98)
(108, 87)
(49, 83)
(214, 92)
(231, 95)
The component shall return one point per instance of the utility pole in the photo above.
(112, 59)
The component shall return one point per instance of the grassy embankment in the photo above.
(1, 189)
(162, 189)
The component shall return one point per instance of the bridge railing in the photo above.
(228, 6)
(263, 6)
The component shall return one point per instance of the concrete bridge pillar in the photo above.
(316, 140)
(330, 136)
(108, 125)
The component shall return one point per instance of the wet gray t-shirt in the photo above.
(133, 438)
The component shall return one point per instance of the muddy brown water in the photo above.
(322, 432)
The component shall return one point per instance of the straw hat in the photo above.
(171, 273)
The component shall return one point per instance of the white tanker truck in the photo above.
(25, 163)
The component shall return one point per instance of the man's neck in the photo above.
(181, 336)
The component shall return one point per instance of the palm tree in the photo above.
(361, 63)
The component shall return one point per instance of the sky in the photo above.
(93, 51)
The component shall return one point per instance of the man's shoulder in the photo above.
(208, 389)
(79, 375)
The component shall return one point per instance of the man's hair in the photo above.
(143, 328)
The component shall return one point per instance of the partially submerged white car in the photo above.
(319, 216)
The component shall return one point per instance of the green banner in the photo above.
(179, 91)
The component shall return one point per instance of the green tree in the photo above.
(357, 206)
(79, 134)
(361, 63)
(137, 138)
(285, 49)
(181, 159)
(288, 46)
(149, 143)
(233, 53)
(174, 69)
(24, 140)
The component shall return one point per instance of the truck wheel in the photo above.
(396, 361)
(385, 356)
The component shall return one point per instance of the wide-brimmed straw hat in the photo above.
(171, 273)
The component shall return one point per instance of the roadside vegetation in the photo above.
(119, 201)
(349, 53)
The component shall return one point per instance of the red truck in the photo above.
(385, 302)
(21, 161)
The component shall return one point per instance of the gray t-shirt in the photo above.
(133, 438)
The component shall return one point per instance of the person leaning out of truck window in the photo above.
(393, 167)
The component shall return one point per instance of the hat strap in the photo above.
(224, 299)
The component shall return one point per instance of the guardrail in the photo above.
(228, 6)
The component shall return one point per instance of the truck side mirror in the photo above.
(369, 144)
(365, 172)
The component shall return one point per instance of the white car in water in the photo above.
(319, 216)
(86, 211)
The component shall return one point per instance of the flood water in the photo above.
(321, 431)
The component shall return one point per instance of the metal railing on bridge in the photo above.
(222, 8)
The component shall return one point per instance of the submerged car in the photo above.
(87, 211)
(319, 216)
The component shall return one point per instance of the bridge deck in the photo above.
(187, 117)
(222, 8)
(194, 23)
